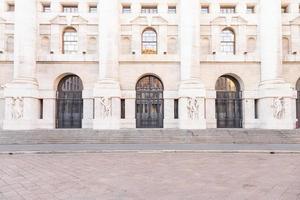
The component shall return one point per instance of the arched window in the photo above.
(228, 41)
(149, 41)
(10, 44)
(70, 41)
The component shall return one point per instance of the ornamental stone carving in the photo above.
(278, 107)
(17, 107)
(106, 104)
(193, 107)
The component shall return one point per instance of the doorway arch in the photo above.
(149, 102)
(69, 102)
(229, 112)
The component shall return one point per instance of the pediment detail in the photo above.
(68, 20)
(79, 20)
(229, 21)
(59, 20)
(295, 21)
(140, 20)
(2, 20)
(149, 20)
(158, 20)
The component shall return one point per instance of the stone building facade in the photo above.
(112, 64)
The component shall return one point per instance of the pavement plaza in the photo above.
(153, 176)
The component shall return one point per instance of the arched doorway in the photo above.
(229, 113)
(298, 103)
(69, 103)
(149, 103)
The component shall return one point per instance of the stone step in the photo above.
(154, 136)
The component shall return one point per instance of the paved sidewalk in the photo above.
(150, 176)
(72, 148)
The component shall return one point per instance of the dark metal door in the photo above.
(298, 109)
(229, 112)
(149, 103)
(69, 103)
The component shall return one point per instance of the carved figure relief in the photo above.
(17, 107)
(106, 104)
(193, 106)
(278, 107)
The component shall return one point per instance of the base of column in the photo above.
(22, 106)
(107, 94)
(192, 105)
(276, 105)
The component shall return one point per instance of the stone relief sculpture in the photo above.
(278, 107)
(106, 104)
(17, 107)
(193, 106)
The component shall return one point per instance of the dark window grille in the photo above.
(123, 115)
(176, 102)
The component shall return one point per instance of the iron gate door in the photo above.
(69, 103)
(229, 113)
(149, 103)
(298, 109)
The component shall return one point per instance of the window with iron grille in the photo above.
(204, 9)
(93, 9)
(126, 9)
(46, 8)
(70, 9)
(122, 108)
(172, 10)
(227, 10)
(250, 10)
(149, 10)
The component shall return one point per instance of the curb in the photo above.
(154, 152)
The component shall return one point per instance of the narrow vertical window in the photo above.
(41, 108)
(256, 108)
(123, 115)
(176, 116)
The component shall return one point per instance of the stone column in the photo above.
(191, 90)
(21, 95)
(107, 91)
(276, 98)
